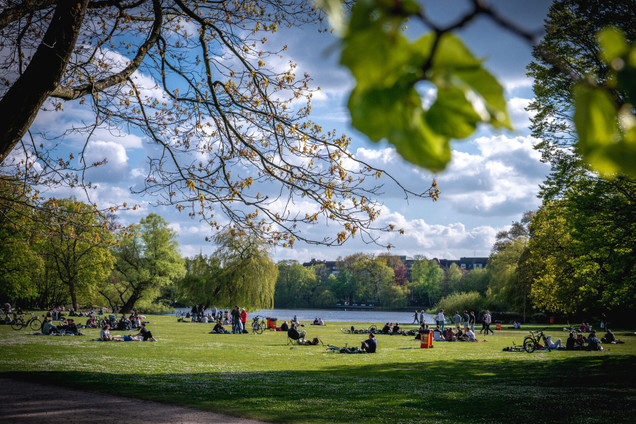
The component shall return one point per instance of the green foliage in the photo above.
(76, 249)
(21, 266)
(426, 281)
(607, 130)
(471, 301)
(385, 103)
(203, 275)
(248, 275)
(297, 286)
(148, 259)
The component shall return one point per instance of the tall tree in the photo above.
(581, 256)
(147, 259)
(202, 276)
(426, 280)
(296, 285)
(231, 130)
(248, 275)
(571, 39)
(76, 248)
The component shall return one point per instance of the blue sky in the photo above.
(492, 180)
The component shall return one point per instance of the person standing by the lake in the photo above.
(422, 317)
(416, 318)
(441, 319)
(243, 319)
(236, 320)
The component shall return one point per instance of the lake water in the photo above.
(342, 315)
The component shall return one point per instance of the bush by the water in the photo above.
(471, 301)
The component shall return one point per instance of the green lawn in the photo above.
(260, 376)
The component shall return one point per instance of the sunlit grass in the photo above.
(260, 376)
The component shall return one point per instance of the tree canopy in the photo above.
(230, 131)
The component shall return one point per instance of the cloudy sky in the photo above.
(492, 180)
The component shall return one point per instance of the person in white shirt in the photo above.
(469, 335)
(441, 319)
(105, 334)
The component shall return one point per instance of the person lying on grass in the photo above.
(370, 345)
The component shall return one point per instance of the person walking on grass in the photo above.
(487, 322)
(441, 319)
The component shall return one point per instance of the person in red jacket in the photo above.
(243, 318)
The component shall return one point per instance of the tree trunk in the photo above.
(20, 105)
(71, 289)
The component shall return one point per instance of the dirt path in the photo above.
(22, 402)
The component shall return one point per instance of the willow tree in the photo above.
(248, 275)
(230, 131)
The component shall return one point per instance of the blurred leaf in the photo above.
(600, 140)
(452, 114)
(387, 66)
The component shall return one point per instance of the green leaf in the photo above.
(596, 124)
(396, 114)
(452, 114)
(613, 44)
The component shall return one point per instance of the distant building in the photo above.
(468, 264)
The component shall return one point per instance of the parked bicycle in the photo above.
(34, 322)
(258, 324)
(536, 340)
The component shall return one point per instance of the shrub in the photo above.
(471, 301)
(154, 309)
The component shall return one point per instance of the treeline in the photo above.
(65, 252)
(381, 280)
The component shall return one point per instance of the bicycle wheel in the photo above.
(529, 345)
(261, 327)
(17, 324)
(255, 327)
(35, 324)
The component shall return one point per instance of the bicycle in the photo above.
(533, 341)
(33, 322)
(258, 324)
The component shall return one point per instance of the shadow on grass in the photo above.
(591, 389)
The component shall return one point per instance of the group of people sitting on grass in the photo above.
(68, 328)
(318, 321)
(576, 341)
(144, 335)
(448, 334)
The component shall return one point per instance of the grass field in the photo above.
(260, 376)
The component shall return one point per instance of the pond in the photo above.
(342, 315)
